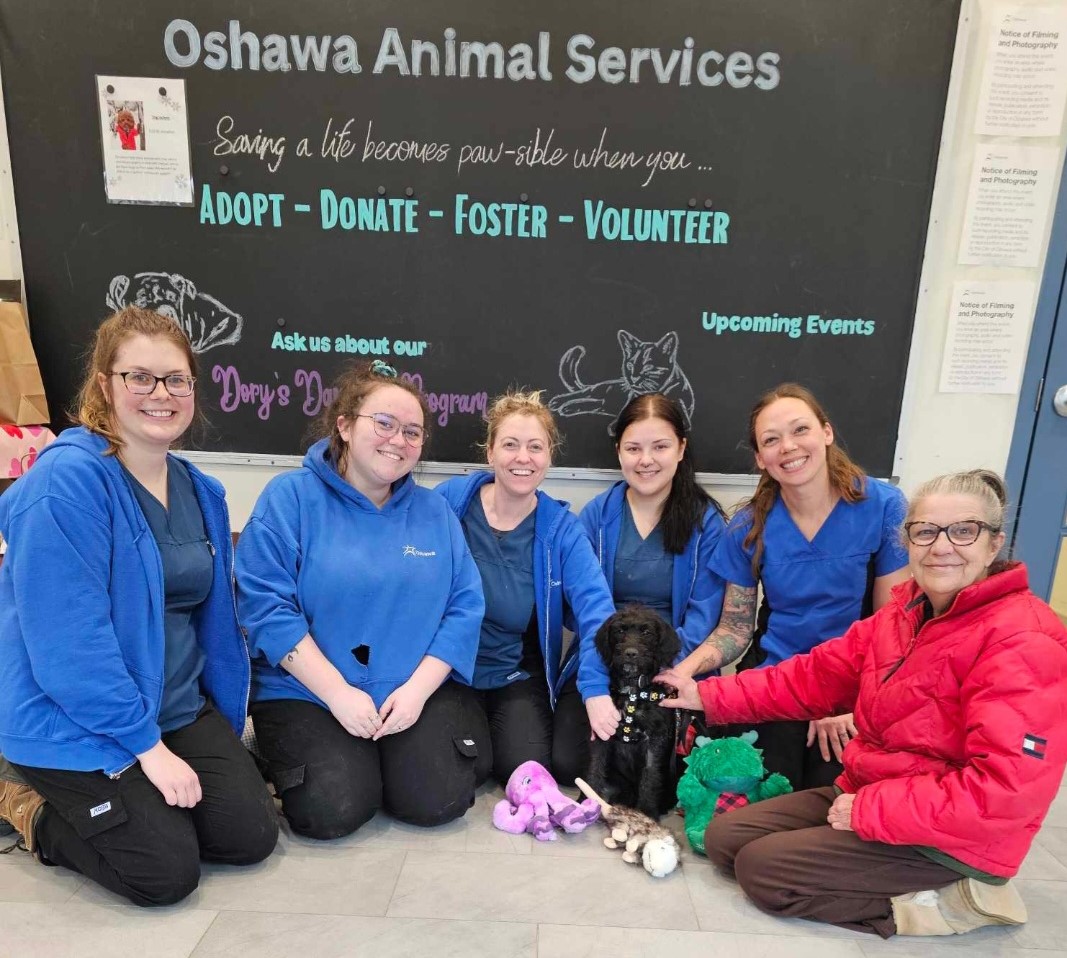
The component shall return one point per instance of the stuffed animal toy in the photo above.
(723, 774)
(642, 837)
(535, 804)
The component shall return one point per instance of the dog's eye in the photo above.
(645, 630)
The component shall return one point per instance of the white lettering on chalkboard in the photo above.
(453, 56)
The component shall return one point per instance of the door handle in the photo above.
(1059, 401)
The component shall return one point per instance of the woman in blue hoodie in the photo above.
(655, 530)
(361, 604)
(533, 701)
(125, 676)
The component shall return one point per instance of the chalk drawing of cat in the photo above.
(647, 367)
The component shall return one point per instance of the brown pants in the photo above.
(791, 863)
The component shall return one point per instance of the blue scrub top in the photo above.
(187, 572)
(644, 569)
(505, 562)
(816, 589)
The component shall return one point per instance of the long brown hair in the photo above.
(847, 479)
(93, 409)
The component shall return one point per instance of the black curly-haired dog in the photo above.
(633, 767)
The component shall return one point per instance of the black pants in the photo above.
(331, 782)
(516, 724)
(123, 835)
(785, 750)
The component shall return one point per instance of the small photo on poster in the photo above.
(144, 131)
(126, 119)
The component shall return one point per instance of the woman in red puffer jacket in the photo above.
(959, 688)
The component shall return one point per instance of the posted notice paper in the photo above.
(1008, 205)
(144, 131)
(988, 329)
(1024, 86)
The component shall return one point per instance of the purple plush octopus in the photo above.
(535, 804)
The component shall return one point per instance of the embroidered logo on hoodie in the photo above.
(412, 551)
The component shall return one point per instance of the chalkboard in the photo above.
(593, 198)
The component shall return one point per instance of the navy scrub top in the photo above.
(505, 561)
(644, 569)
(187, 573)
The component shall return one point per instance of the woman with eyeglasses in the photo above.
(958, 687)
(125, 676)
(822, 539)
(362, 606)
(533, 702)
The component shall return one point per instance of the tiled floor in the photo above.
(466, 889)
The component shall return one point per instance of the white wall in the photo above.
(938, 432)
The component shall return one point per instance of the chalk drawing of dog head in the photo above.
(206, 321)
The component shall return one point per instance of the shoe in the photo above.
(957, 909)
(20, 805)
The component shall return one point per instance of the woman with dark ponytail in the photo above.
(822, 539)
(654, 530)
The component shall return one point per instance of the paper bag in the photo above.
(22, 401)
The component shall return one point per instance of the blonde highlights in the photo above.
(518, 402)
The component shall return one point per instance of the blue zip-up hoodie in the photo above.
(696, 591)
(81, 613)
(319, 558)
(565, 571)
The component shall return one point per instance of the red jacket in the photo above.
(962, 722)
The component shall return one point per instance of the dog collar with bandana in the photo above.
(631, 728)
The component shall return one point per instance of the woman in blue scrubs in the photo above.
(532, 700)
(655, 530)
(822, 539)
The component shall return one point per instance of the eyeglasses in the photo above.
(144, 384)
(386, 427)
(958, 533)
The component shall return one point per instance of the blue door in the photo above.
(1041, 531)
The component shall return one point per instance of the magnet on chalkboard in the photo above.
(281, 322)
(692, 201)
(707, 204)
(524, 197)
(381, 191)
(410, 191)
(224, 170)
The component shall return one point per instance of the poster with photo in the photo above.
(144, 131)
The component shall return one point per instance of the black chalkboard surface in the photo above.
(595, 198)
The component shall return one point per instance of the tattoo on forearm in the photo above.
(291, 657)
(734, 631)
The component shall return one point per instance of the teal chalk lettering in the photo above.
(719, 323)
(362, 347)
(368, 214)
(523, 220)
(634, 224)
(409, 347)
(291, 342)
(244, 209)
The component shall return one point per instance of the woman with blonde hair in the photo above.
(125, 677)
(538, 702)
(822, 539)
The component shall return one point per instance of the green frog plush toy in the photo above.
(723, 774)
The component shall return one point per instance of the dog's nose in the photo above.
(629, 653)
